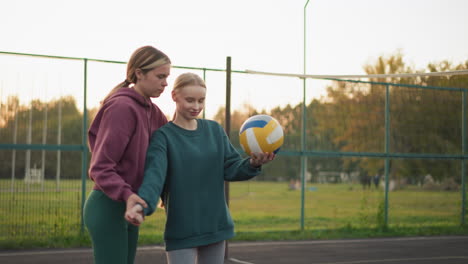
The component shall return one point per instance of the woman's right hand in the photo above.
(134, 210)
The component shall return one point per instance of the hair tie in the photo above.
(126, 82)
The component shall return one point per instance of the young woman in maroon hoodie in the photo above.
(118, 140)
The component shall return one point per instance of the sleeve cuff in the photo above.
(126, 193)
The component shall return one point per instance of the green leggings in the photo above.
(114, 239)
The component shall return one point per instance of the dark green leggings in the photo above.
(114, 239)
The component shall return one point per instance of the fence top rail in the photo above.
(106, 61)
(58, 57)
(366, 76)
(347, 78)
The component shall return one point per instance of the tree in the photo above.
(421, 120)
(41, 121)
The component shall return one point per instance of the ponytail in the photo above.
(115, 89)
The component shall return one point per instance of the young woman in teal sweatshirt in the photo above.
(187, 162)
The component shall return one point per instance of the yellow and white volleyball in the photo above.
(261, 133)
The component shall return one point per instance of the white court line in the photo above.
(373, 261)
(341, 241)
(240, 261)
(241, 244)
(396, 259)
(249, 244)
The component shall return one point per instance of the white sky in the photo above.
(263, 35)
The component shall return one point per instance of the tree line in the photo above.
(350, 118)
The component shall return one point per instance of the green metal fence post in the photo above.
(303, 134)
(387, 149)
(303, 160)
(84, 151)
(463, 167)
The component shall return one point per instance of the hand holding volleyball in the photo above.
(261, 134)
(260, 158)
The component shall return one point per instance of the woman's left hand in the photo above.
(258, 159)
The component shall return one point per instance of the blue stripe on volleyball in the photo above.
(276, 150)
(255, 123)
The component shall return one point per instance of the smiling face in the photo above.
(153, 82)
(190, 101)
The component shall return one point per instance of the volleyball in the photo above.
(261, 133)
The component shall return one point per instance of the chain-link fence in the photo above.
(357, 154)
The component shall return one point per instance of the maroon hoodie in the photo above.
(118, 139)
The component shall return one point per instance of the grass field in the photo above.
(31, 217)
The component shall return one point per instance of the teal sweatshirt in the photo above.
(187, 168)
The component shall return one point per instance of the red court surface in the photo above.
(414, 250)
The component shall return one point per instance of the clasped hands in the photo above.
(134, 210)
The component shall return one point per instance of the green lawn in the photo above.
(31, 217)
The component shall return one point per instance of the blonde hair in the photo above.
(145, 58)
(186, 79)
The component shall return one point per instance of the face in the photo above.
(152, 83)
(190, 101)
